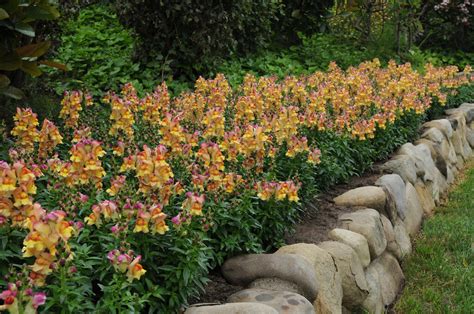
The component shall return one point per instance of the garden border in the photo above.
(360, 268)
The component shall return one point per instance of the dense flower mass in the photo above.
(118, 170)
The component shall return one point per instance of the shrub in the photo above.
(88, 201)
(98, 51)
(191, 34)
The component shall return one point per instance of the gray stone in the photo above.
(446, 148)
(460, 143)
(367, 223)
(354, 284)
(433, 179)
(403, 165)
(329, 298)
(242, 270)
(355, 241)
(402, 239)
(285, 302)
(425, 198)
(275, 284)
(373, 303)
(414, 213)
(366, 196)
(470, 137)
(390, 275)
(441, 124)
(469, 111)
(392, 245)
(395, 187)
(232, 308)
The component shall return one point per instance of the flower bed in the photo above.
(143, 195)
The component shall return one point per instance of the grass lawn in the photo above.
(440, 272)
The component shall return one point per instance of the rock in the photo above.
(329, 298)
(437, 157)
(233, 308)
(468, 109)
(284, 302)
(355, 241)
(275, 284)
(367, 223)
(354, 284)
(395, 187)
(392, 245)
(446, 148)
(366, 196)
(470, 137)
(242, 270)
(442, 124)
(468, 112)
(390, 275)
(433, 179)
(425, 198)
(414, 213)
(373, 303)
(403, 165)
(402, 239)
(460, 143)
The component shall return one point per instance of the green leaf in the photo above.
(3, 14)
(12, 92)
(31, 67)
(25, 29)
(34, 50)
(54, 64)
(4, 81)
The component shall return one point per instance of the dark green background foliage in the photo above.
(193, 33)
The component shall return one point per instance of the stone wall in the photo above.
(360, 266)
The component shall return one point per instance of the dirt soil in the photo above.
(319, 217)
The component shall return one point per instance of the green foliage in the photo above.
(439, 273)
(98, 51)
(190, 34)
(18, 49)
(315, 53)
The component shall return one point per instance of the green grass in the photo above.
(440, 272)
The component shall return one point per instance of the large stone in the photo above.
(373, 303)
(390, 276)
(439, 160)
(232, 308)
(366, 196)
(446, 148)
(470, 137)
(403, 165)
(392, 245)
(284, 302)
(414, 213)
(367, 223)
(329, 298)
(355, 241)
(395, 187)
(425, 198)
(354, 284)
(460, 143)
(242, 270)
(403, 240)
(275, 284)
(433, 179)
(441, 124)
(469, 110)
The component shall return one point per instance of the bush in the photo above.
(315, 53)
(88, 200)
(191, 34)
(98, 51)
